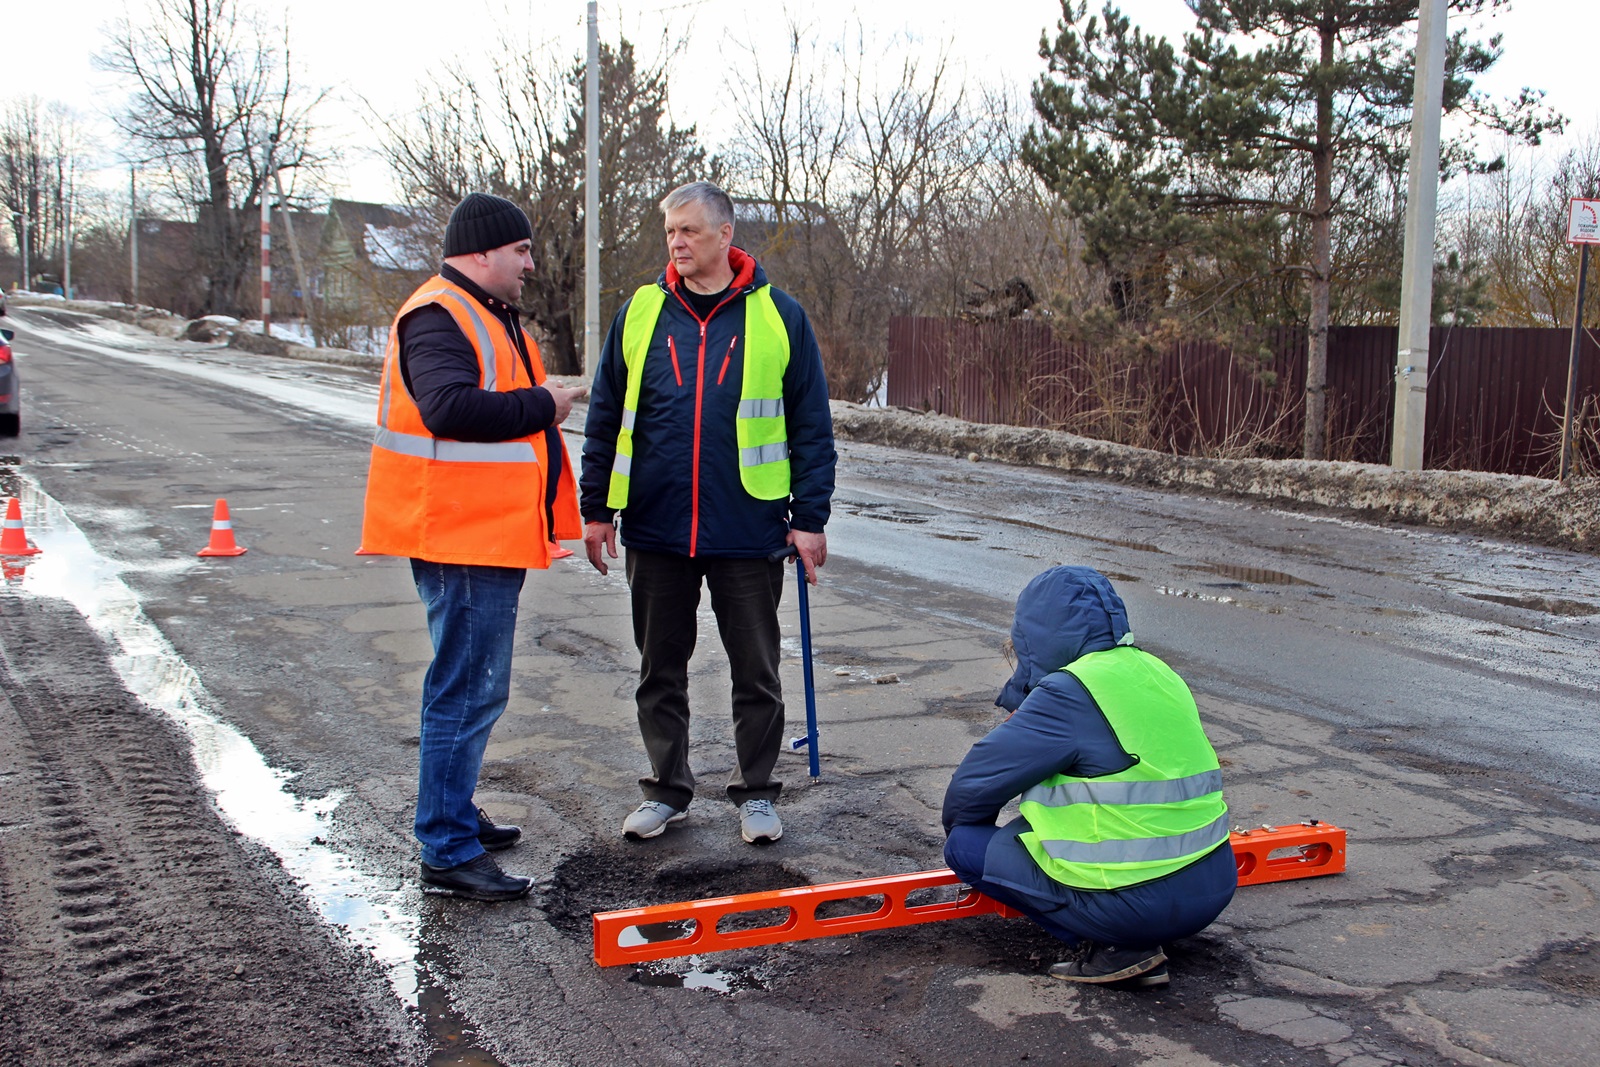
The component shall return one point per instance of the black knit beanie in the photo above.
(481, 222)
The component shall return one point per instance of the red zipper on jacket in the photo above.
(672, 348)
(699, 395)
(726, 358)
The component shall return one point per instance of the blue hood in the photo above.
(1062, 614)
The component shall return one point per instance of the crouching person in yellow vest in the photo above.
(470, 480)
(1122, 841)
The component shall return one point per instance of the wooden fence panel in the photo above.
(1495, 395)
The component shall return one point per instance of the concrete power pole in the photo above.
(266, 249)
(1416, 274)
(591, 200)
(294, 251)
(66, 244)
(133, 233)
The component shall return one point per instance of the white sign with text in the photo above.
(1583, 222)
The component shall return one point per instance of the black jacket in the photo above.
(441, 372)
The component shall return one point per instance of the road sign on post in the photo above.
(1583, 230)
(1583, 221)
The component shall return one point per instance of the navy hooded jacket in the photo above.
(1056, 727)
(685, 496)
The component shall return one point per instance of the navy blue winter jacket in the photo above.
(685, 496)
(1057, 728)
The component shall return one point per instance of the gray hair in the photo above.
(718, 205)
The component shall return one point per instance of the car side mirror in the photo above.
(7, 334)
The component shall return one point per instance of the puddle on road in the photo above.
(684, 972)
(1546, 604)
(376, 913)
(1248, 575)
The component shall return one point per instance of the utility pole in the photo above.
(66, 244)
(294, 250)
(133, 233)
(266, 248)
(27, 226)
(1416, 272)
(591, 200)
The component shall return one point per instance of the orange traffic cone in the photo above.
(13, 539)
(559, 552)
(222, 543)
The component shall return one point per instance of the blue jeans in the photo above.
(472, 618)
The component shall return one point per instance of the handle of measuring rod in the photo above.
(805, 649)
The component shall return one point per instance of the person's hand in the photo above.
(813, 549)
(596, 534)
(564, 398)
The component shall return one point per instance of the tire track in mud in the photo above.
(135, 930)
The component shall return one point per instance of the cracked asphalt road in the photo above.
(1432, 693)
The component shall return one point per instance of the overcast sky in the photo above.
(379, 52)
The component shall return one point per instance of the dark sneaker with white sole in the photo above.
(480, 878)
(1138, 966)
(494, 838)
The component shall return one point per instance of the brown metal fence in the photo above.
(1495, 395)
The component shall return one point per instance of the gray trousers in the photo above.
(744, 597)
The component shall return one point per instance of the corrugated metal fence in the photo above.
(1495, 395)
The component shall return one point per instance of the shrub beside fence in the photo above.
(1495, 395)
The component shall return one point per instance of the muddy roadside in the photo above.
(136, 927)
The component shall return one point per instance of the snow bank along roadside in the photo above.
(1504, 505)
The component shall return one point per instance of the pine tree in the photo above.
(1265, 156)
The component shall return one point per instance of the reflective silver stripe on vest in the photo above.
(455, 451)
(1140, 849)
(1174, 791)
(479, 327)
(622, 465)
(629, 417)
(753, 457)
(761, 409)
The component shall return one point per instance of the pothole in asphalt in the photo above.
(1548, 605)
(1572, 968)
(613, 879)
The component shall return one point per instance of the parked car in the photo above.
(10, 391)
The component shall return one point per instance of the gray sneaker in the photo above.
(758, 823)
(650, 819)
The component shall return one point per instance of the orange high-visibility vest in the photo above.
(470, 502)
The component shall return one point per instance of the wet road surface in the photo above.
(1433, 693)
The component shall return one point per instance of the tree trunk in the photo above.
(1316, 429)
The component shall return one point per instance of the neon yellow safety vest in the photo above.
(761, 429)
(1156, 817)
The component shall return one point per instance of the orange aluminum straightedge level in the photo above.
(1266, 854)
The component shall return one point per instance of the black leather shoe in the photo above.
(480, 878)
(1110, 963)
(494, 838)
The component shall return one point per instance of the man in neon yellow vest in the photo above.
(709, 433)
(1122, 844)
